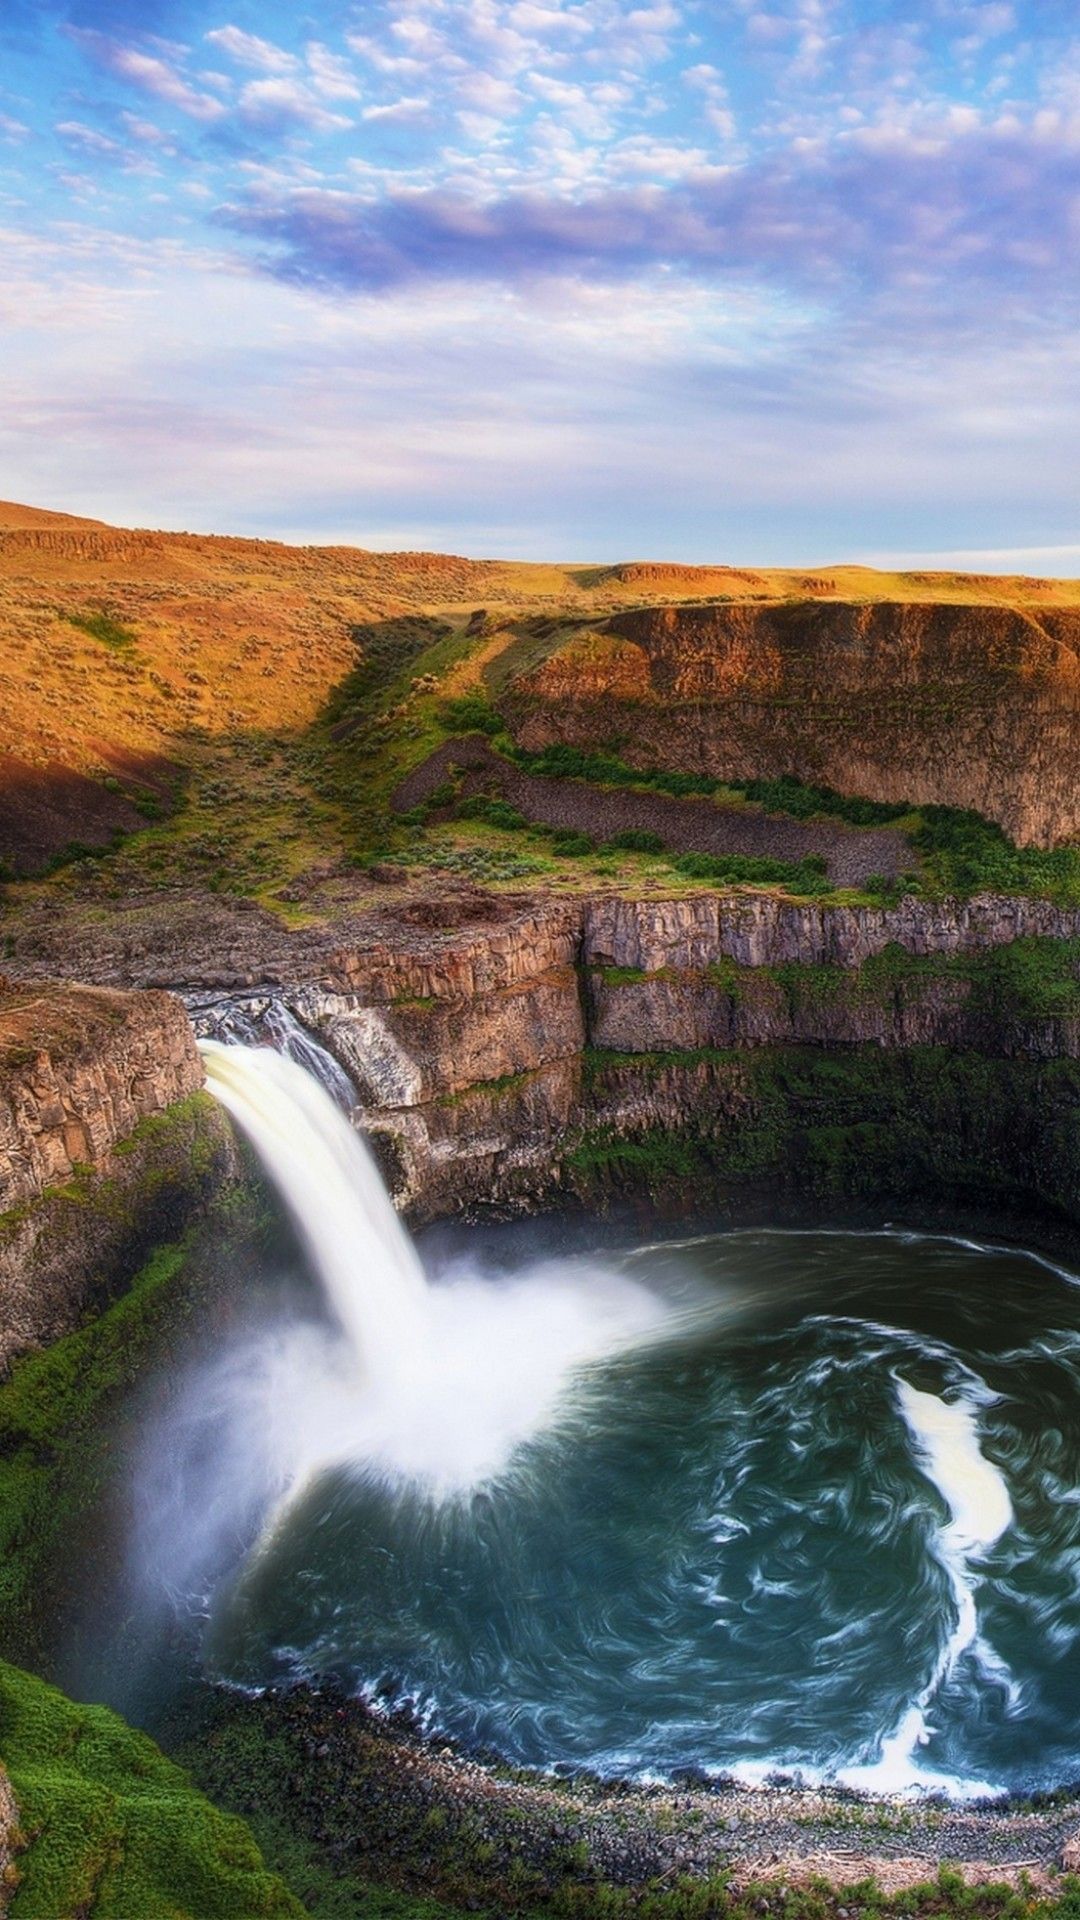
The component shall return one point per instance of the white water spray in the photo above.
(331, 1186)
(438, 1385)
(945, 1439)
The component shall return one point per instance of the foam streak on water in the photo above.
(945, 1439)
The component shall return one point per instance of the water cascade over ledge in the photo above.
(331, 1186)
(752, 1501)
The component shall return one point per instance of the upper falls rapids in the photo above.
(762, 1500)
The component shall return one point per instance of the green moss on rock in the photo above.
(114, 1829)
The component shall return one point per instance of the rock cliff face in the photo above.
(704, 1046)
(105, 1145)
(484, 1057)
(958, 705)
(79, 1068)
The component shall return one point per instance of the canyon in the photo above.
(694, 1051)
(302, 795)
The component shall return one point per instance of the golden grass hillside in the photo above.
(124, 654)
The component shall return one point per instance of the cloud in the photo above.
(149, 73)
(282, 101)
(580, 420)
(87, 140)
(925, 214)
(330, 74)
(249, 50)
(409, 107)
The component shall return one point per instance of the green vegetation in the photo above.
(606, 768)
(809, 876)
(960, 852)
(805, 802)
(114, 1829)
(509, 1861)
(865, 1125)
(387, 649)
(52, 1447)
(963, 854)
(634, 840)
(471, 713)
(497, 813)
(568, 844)
(102, 626)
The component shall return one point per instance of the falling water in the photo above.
(264, 1020)
(331, 1186)
(437, 1385)
(760, 1501)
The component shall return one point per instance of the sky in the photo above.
(748, 281)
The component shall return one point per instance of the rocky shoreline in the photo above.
(417, 1813)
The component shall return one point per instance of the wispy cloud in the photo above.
(250, 50)
(790, 278)
(149, 73)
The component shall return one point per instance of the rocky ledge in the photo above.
(105, 1140)
(490, 1055)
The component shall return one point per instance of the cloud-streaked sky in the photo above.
(796, 280)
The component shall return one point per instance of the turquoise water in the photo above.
(830, 1524)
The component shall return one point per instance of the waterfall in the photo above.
(325, 1174)
(437, 1384)
(264, 1020)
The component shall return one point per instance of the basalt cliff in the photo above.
(106, 1146)
(964, 706)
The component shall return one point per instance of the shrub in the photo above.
(571, 845)
(635, 840)
(739, 869)
(470, 713)
(102, 627)
(497, 813)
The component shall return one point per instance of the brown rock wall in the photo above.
(483, 958)
(79, 1068)
(965, 706)
(759, 930)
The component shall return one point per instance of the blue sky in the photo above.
(790, 281)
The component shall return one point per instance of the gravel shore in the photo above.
(423, 1816)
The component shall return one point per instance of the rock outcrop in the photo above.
(106, 1145)
(9, 1841)
(483, 1056)
(79, 1068)
(960, 705)
(762, 930)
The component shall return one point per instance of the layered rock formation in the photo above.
(486, 1058)
(966, 706)
(79, 1068)
(102, 1145)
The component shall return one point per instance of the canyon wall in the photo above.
(510, 1064)
(106, 1144)
(965, 706)
(703, 1054)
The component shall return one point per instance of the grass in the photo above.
(103, 627)
(114, 1829)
